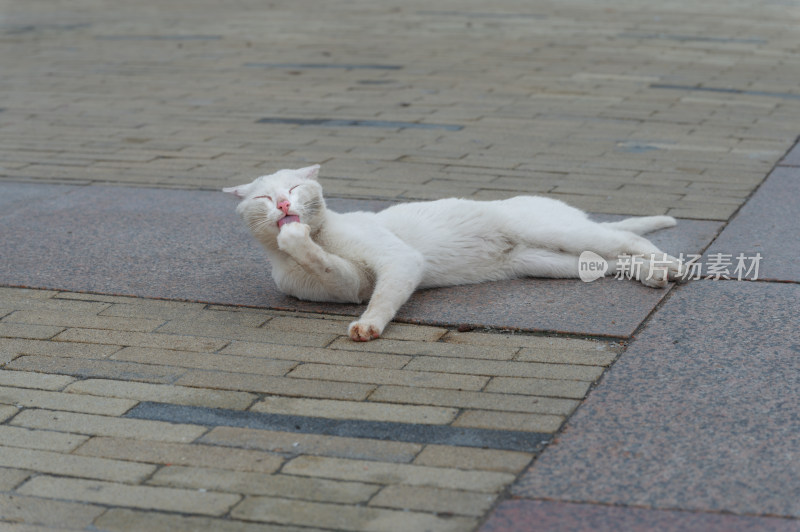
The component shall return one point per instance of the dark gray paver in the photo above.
(521, 515)
(767, 225)
(20, 196)
(793, 157)
(700, 413)
(509, 440)
(190, 245)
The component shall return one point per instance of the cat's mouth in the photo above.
(288, 219)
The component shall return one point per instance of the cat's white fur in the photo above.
(383, 257)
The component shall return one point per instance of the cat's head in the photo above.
(286, 196)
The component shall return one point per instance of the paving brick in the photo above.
(36, 332)
(181, 454)
(236, 332)
(25, 293)
(64, 349)
(124, 520)
(21, 302)
(36, 511)
(24, 397)
(164, 341)
(583, 358)
(10, 478)
(472, 459)
(29, 379)
(524, 340)
(110, 493)
(208, 361)
(298, 443)
(503, 368)
(105, 298)
(109, 369)
(74, 466)
(288, 511)
(180, 395)
(383, 473)
(88, 321)
(310, 354)
(107, 426)
(480, 400)
(327, 408)
(703, 211)
(7, 412)
(291, 487)
(486, 419)
(394, 331)
(436, 500)
(426, 348)
(292, 387)
(39, 439)
(539, 387)
(146, 308)
(388, 376)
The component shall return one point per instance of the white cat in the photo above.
(321, 255)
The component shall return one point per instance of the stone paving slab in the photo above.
(767, 225)
(520, 514)
(698, 414)
(190, 245)
(792, 158)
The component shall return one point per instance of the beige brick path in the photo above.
(588, 102)
(616, 107)
(68, 447)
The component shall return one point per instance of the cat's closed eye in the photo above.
(259, 197)
(294, 187)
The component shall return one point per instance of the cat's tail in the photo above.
(643, 224)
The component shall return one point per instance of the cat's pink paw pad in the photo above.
(362, 332)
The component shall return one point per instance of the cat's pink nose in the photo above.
(284, 206)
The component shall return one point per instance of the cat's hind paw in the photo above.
(363, 331)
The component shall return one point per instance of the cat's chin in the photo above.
(292, 218)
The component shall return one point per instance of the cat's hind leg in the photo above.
(618, 245)
(532, 262)
(546, 263)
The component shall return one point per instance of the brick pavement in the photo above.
(78, 368)
(125, 414)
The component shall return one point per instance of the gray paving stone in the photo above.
(793, 157)
(511, 440)
(192, 246)
(766, 225)
(517, 516)
(697, 414)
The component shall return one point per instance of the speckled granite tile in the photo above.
(190, 245)
(793, 157)
(520, 515)
(700, 413)
(20, 196)
(767, 224)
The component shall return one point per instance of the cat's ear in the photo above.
(309, 172)
(240, 191)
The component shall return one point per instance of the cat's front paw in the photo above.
(292, 234)
(363, 331)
